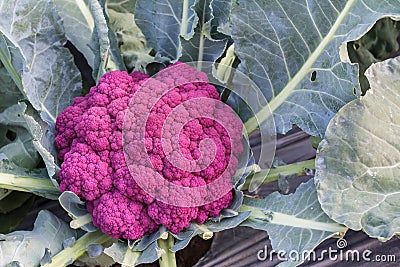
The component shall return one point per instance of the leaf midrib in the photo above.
(12, 71)
(252, 124)
(86, 13)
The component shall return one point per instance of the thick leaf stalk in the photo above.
(291, 220)
(38, 186)
(272, 175)
(69, 255)
(168, 258)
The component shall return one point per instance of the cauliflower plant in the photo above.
(89, 138)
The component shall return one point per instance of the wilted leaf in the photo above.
(294, 222)
(290, 49)
(131, 41)
(378, 44)
(357, 164)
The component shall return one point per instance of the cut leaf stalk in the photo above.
(168, 258)
(81, 221)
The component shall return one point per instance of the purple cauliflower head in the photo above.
(97, 151)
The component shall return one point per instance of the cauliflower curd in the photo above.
(90, 145)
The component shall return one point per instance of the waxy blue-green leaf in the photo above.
(358, 163)
(103, 42)
(164, 22)
(123, 254)
(378, 44)
(214, 16)
(76, 15)
(16, 139)
(28, 247)
(35, 181)
(13, 210)
(50, 78)
(77, 211)
(147, 240)
(11, 64)
(207, 229)
(200, 48)
(294, 222)
(43, 140)
(76, 249)
(9, 92)
(290, 49)
(42, 69)
(204, 10)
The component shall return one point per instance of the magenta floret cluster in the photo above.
(89, 138)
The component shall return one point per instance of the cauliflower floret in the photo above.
(120, 217)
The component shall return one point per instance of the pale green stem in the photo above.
(168, 258)
(184, 25)
(68, 255)
(201, 51)
(201, 42)
(224, 68)
(291, 220)
(28, 184)
(81, 221)
(272, 175)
